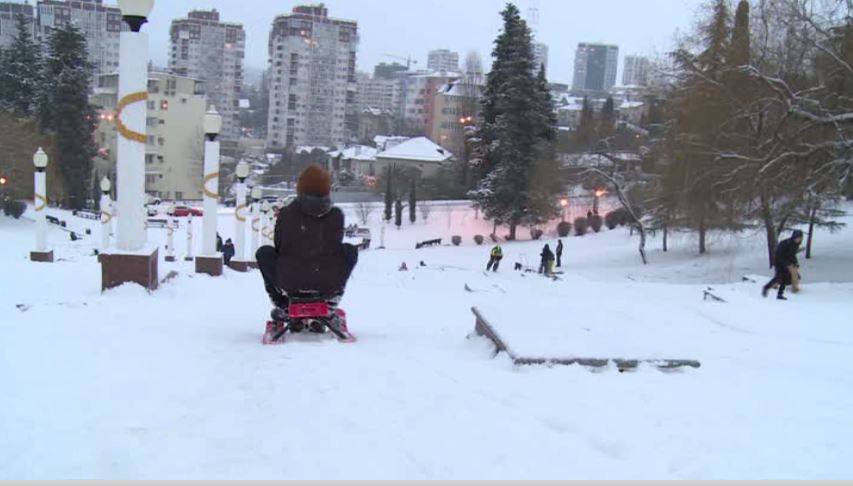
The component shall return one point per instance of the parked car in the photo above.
(184, 211)
(152, 211)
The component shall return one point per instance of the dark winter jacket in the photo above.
(786, 253)
(559, 248)
(309, 241)
(547, 255)
(228, 252)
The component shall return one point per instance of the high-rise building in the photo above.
(205, 48)
(174, 152)
(389, 71)
(378, 93)
(100, 24)
(418, 93)
(313, 86)
(443, 60)
(595, 67)
(636, 71)
(540, 55)
(9, 13)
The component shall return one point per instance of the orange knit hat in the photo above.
(314, 181)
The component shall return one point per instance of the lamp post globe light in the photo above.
(106, 213)
(41, 253)
(239, 262)
(564, 203)
(257, 193)
(131, 258)
(210, 262)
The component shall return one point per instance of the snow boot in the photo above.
(278, 314)
(781, 297)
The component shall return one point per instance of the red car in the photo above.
(184, 211)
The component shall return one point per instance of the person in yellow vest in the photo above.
(495, 258)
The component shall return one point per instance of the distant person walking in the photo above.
(495, 258)
(559, 253)
(228, 251)
(785, 264)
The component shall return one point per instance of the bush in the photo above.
(478, 239)
(536, 233)
(564, 229)
(618, 217)
(14, 209)
(596, 222)
(457, 240)
(581, 225)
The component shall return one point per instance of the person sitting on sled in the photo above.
(309, 253)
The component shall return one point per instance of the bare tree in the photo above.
(363, 210)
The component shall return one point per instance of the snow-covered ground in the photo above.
(175, 384)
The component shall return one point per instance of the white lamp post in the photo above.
(171, 226)
(240, 212)
(257, 193)
(265, 209)
(210, 262)
(131, 114)
(106, 214)
(131, 259)
(41, 253)
(189, 256)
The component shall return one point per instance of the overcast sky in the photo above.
(413, 27)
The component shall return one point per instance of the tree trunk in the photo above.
(703, 235)
(512, 228)
(812, 218)
(642, 232)
(770, 228)
(665, 238)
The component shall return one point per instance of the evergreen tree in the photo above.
(517, 122)
(584, 136)
(412, 202)
(21, 72)
(398, 213)
(389, 195)
(65, 110)
(608, 120)
(740, 45)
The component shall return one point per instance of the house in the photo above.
(357, 159)
(419, 153)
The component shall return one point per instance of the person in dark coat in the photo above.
(309, 253)
(228, 251)
(546, 266)
(218, 243)
(559, 253)
(785, 262)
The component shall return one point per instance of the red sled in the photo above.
(311, 318)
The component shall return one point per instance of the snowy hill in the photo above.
(175, 384)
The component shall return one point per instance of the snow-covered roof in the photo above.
(355, 152)
(385, 142)
(462, 88)
(307, 149)
(627, 105)
(421, 149)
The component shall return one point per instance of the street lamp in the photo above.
(240, 209)
(265, 218)
(209, 261)
(132, 260)
(565, 204)
(599, 193)
(106, 214)
(257, 193)
(41, 253)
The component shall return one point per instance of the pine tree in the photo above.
(412, 201)
(740, 45)
(21, 72)
(65, 110)
(608, 120)
(517, 121)
(389, 194)
(398, 213)
(584, 136)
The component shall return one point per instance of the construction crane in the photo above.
(408, 59)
